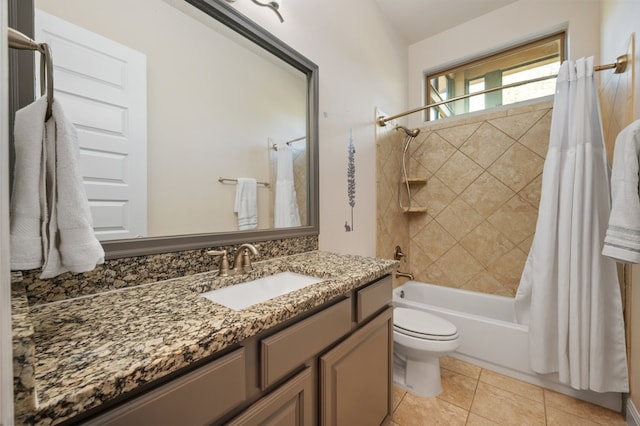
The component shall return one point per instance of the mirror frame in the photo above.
(22, 20)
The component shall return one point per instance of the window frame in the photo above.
(560, 36)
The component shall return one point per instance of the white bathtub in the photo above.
(489, 335)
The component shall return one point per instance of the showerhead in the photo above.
(410, 132)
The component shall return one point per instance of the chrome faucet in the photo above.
(242, 260)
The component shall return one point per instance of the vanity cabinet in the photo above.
(332, 366)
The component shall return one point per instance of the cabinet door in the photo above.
(356, 376)
(289, 405)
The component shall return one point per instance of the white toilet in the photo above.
(420, 339)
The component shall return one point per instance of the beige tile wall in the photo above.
(483, 187)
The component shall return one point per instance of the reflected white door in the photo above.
(101, 85)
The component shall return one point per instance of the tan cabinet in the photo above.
(290, 404)
(288, 349)
(356, 376)
(373, 297)
(196, 398)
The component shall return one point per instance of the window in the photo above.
(539, 59)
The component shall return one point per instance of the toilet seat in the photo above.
(423, 325)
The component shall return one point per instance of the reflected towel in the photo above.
(286, 205)
(622, 240)
(246, 204)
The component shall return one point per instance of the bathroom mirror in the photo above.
(220, 93)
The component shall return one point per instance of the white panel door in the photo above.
(102, 87)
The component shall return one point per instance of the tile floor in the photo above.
(475, 396)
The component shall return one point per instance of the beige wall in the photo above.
(505, 27)
(206, 97)
(620, 99)
(483, 175)
(362, 65)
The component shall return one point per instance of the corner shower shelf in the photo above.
(414, 210)
(415, 181)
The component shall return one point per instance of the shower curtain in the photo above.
(569, 293)
(286, 206)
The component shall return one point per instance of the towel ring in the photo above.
(17, 40)
(46, 74)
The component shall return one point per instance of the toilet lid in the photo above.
(423, 325)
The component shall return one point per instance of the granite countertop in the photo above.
(85, 351)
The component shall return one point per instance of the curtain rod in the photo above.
(619, 66)
(289, 142)
(296, 140)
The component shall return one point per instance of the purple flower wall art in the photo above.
(351, 180)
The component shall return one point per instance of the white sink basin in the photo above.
(240, 296)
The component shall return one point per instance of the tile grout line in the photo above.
(475, 391)
(398, 406)
(544, 406)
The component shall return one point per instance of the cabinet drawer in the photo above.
(374, 297)
(197, 398)
(290, 348)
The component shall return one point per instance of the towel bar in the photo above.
(223, 180)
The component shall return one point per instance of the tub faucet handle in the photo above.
(398, 254)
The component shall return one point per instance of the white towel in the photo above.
(66, 239)
(28, 187)
(286, 205)
(246, 204)
(622, 240)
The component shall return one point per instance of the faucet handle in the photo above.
(246, 261)
(223, 269)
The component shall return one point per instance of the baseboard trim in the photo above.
(632, 415)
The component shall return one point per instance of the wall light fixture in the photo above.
(272, 4)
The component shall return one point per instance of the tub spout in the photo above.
(404, 274)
